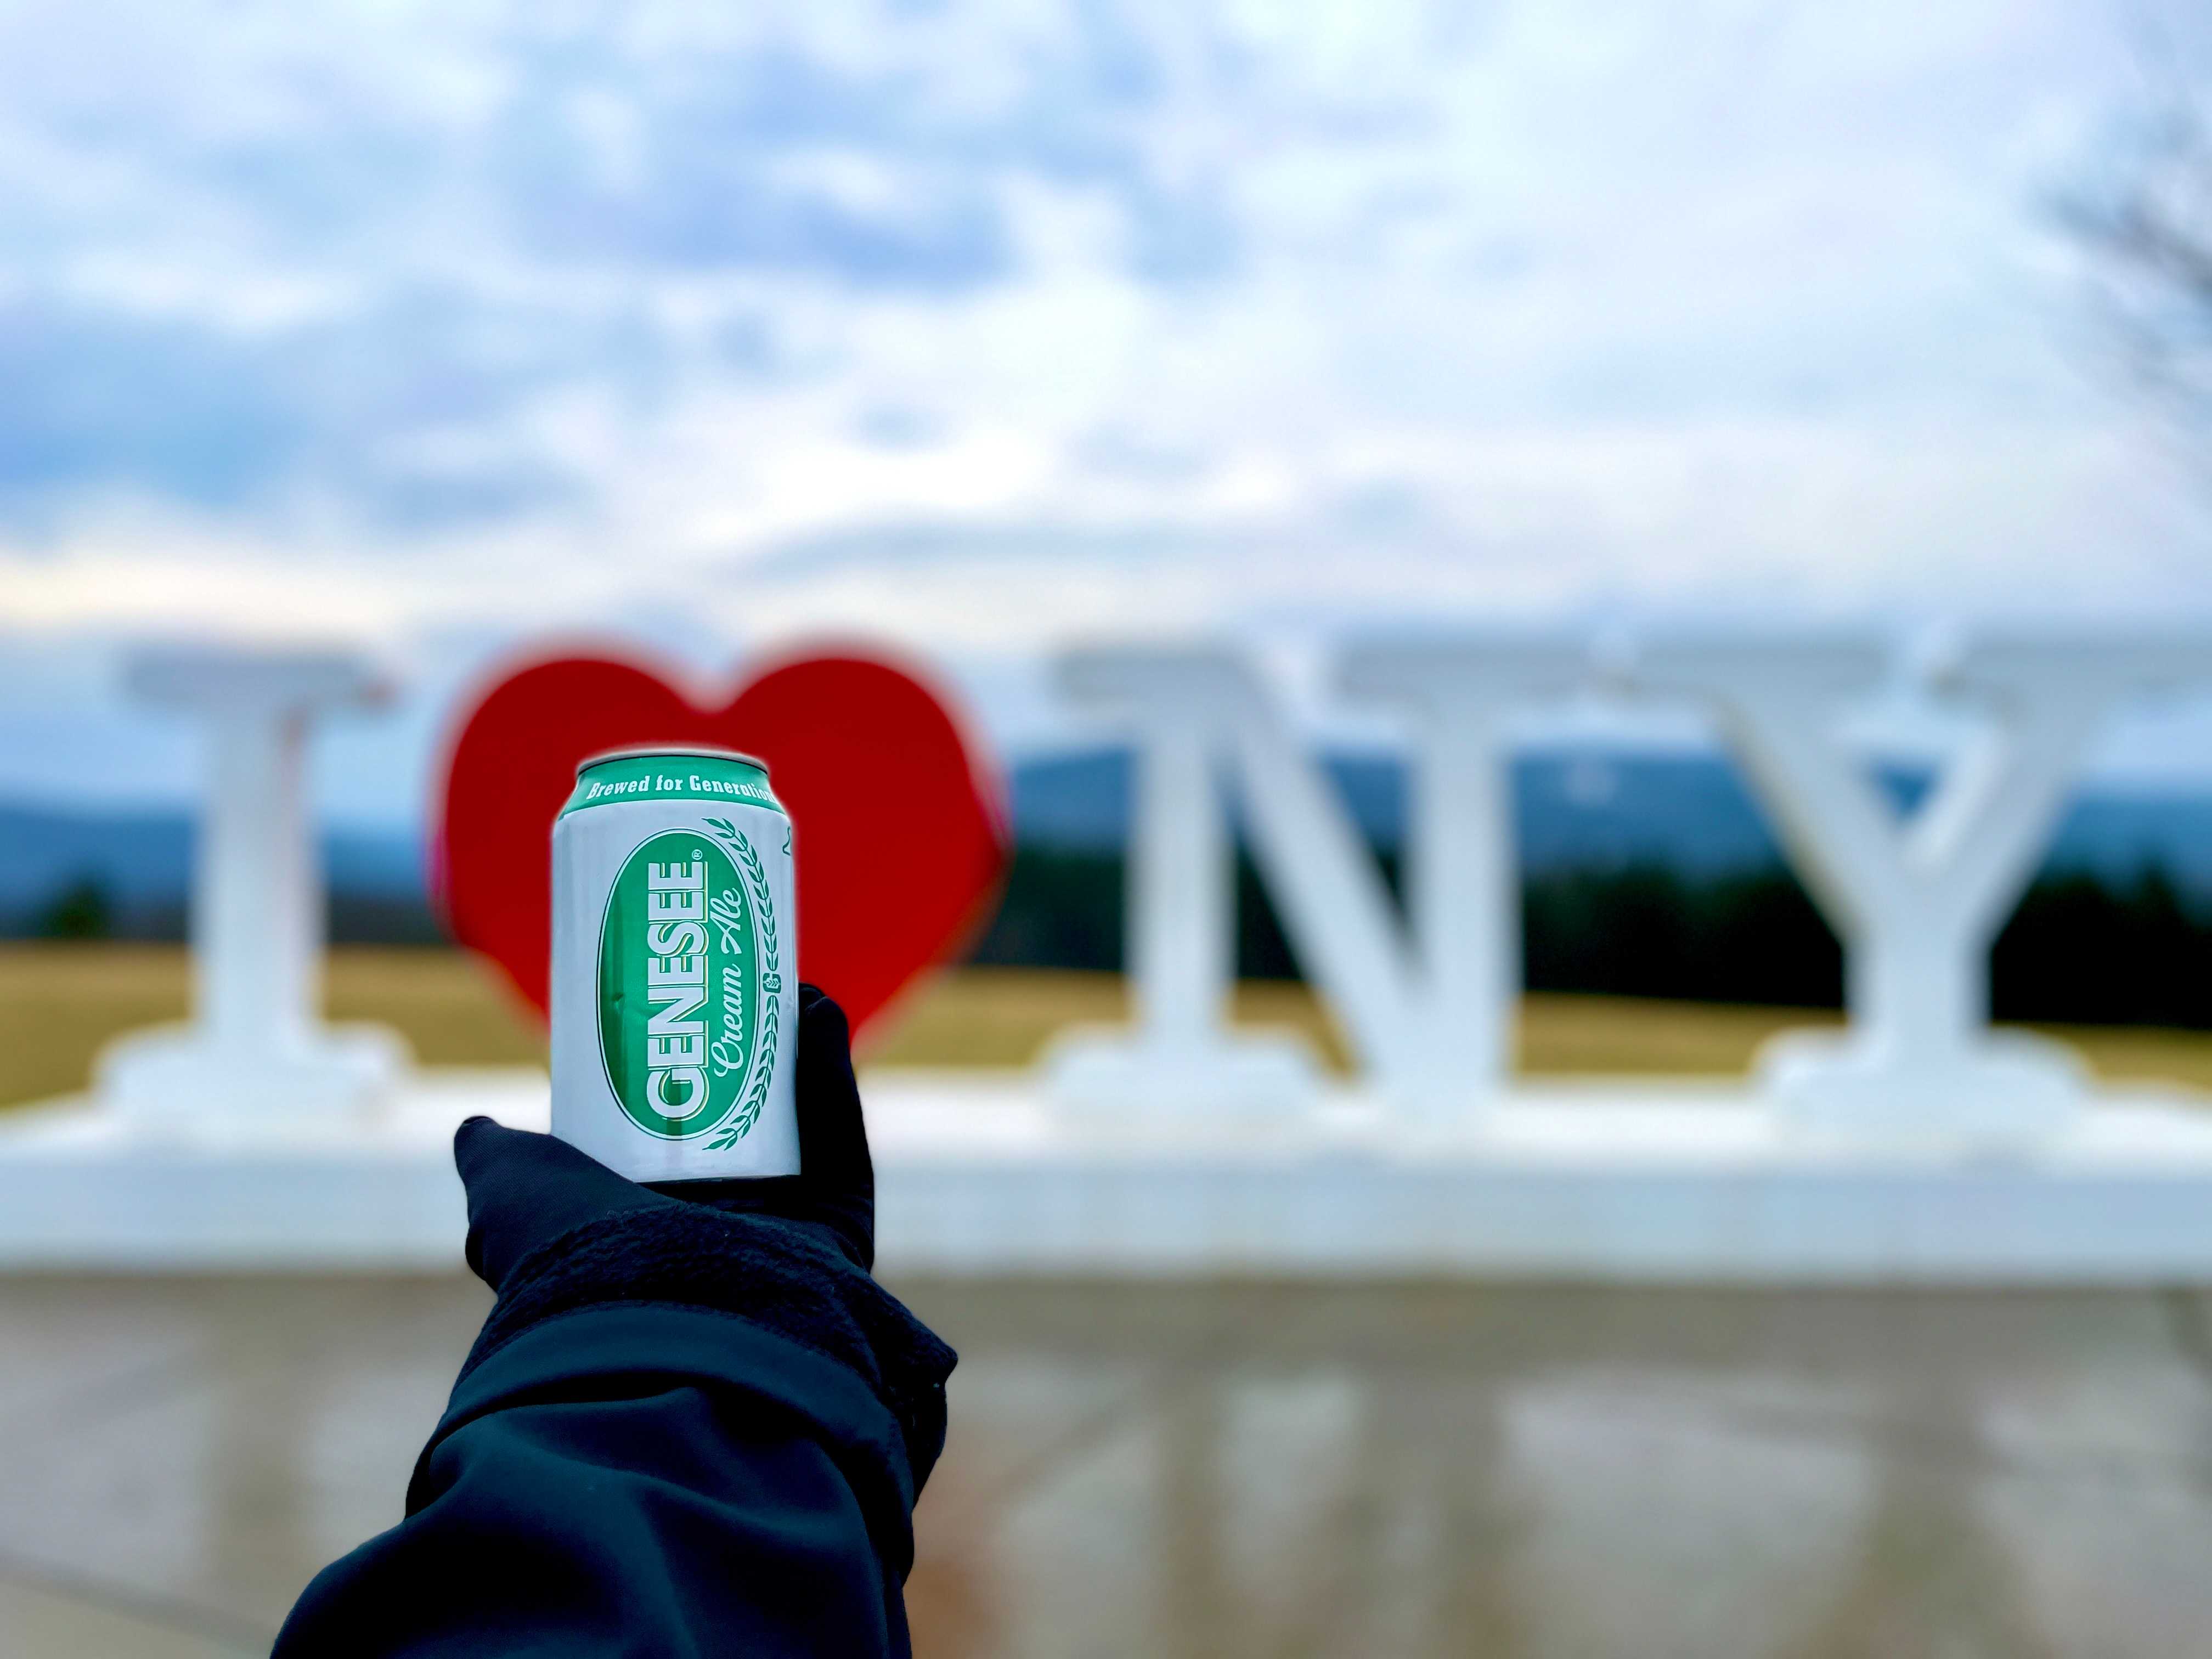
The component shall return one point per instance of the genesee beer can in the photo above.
(675, 985)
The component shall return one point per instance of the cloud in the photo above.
(983, 323)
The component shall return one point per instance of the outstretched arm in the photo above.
(690, 1425)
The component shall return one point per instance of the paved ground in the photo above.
(1240, 1471)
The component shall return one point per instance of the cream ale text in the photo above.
(675, 1001)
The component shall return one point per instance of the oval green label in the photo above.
(679, 984)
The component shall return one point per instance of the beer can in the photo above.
(675, 984)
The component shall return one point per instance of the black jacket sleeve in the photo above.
(682, 1431)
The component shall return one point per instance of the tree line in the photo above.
(2078, 948)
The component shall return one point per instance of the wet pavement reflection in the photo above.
(1430, 1471)
(1240, 1471)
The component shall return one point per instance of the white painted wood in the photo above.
(1917, 902)
(982, 1174)
(255, 1046)
(1462, 877)
(1179, 1057)
(1919, 1146)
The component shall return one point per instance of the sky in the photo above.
(441, 329)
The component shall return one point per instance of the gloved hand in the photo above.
(525, 1189)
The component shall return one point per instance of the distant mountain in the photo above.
(1599, 809)
(139, 859)
(141, 863)
(1573, 810)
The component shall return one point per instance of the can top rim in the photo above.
(688, 752)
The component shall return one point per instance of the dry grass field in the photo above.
(59, 1003)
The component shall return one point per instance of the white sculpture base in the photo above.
(168, 1079)
(2008, 1090)
(1102, 1075)
(84, 1186)
(979, 1176)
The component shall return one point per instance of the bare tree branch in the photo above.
(2149, 224)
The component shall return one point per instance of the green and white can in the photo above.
(675, 985)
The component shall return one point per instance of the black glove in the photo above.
(526, 1190)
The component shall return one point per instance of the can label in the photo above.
(689, 949)
(674, 991)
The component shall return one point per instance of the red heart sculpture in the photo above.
(900, 823)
